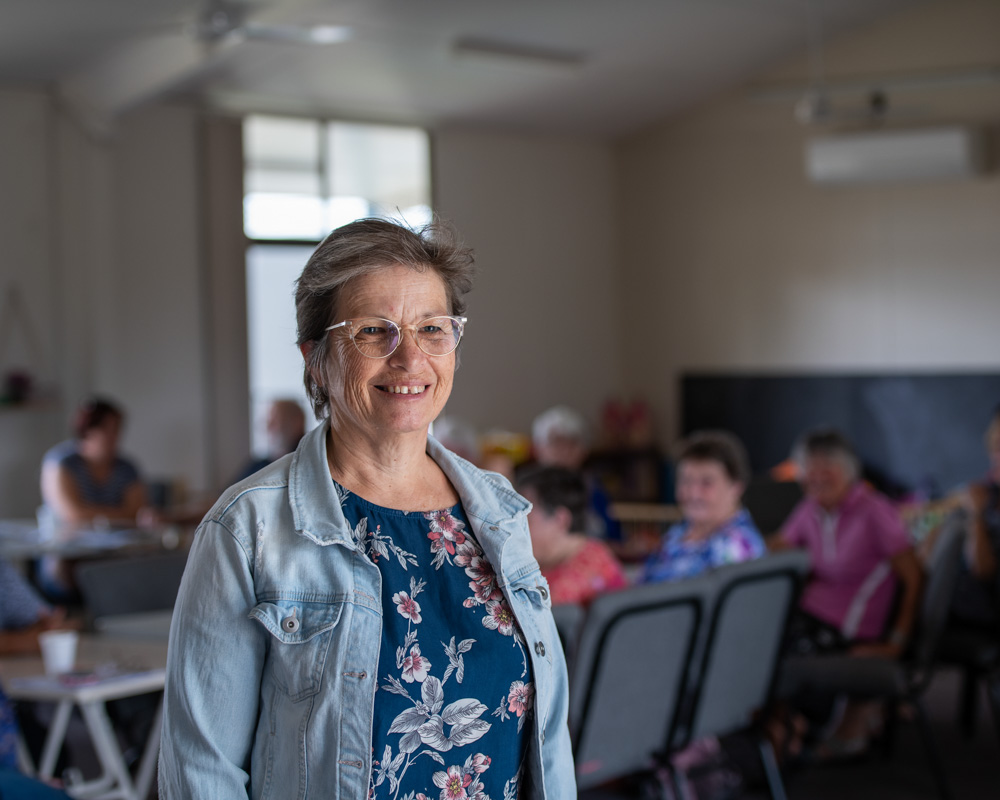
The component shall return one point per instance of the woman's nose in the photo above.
(407, 351)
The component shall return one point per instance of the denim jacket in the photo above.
(275, 639)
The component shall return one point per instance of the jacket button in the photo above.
(290, 624)
(539, 649)
(544, 591)
(494, 528)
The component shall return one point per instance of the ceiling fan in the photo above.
(228, 20)
(152, 63)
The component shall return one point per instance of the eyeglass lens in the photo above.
(377, 338)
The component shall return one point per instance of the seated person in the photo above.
(84, 479)
(577, 568)
(23, 614)
(559, 438)
(977, 596)
(86, 482)
(712, 472)
(286, 424)
(860, 555)
(859, 550)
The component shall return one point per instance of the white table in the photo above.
(22, 539)
(142, 670)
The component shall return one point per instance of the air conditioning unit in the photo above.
(896, 156)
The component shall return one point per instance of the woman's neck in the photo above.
(561, 549)
(395, 474)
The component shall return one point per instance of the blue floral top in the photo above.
(455, 689)
(737, 540)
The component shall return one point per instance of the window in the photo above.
(302, 179)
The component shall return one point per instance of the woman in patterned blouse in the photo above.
(363, 618)
(712, 472)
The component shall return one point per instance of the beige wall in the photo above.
(697, 245)
(732, 261)
(543, 329)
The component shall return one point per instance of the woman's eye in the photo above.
(372, 330)
(431, 329)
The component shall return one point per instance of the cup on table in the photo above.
(58, 650)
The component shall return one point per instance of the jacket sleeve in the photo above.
(214, 665)
(557, 750)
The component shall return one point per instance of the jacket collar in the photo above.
(318, 515)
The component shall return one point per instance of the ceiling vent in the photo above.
(896, 156)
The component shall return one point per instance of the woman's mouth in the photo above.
(403, 389)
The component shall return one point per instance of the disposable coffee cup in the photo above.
(58, 651)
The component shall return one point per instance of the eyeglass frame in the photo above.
(402, 329)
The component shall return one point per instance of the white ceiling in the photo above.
(640, 60)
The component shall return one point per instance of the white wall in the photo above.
(543, 314)
(734, 262)
(27, 340)
(104, 241)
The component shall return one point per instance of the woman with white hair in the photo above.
(861, 559)
(860, 553)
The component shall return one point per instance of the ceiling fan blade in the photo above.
(295, 34)
(135, 73)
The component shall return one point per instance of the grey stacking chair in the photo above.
(631, 670)
(737, 665)
(903, 681)
(130, 585)
(569, 619)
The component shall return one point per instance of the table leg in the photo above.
(150, 754)
(108, 752)
(55, 738)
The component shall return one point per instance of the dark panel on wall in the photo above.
(918, 430)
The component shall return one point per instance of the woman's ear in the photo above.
(306, 348)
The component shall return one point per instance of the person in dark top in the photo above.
(84, 479)
(977, 596)
(87, 483)
(286, 425)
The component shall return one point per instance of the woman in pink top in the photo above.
(576, 567)
(859, 548)
(861, 558)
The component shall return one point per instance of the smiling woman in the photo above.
(371, 668)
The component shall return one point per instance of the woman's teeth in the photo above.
(404, 389)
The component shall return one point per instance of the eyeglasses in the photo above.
(378, 338)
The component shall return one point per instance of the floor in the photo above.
(972, 765)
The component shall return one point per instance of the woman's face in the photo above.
(367, 394)
(826, 479)
(100, 443)
(705, 492)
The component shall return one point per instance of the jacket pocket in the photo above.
(301, 633)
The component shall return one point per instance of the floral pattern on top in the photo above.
(735, 541)
(455, 687)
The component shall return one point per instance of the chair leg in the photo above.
(889, 729)
(993, 693)
(771, 771)
(967, 708)
(933, 757)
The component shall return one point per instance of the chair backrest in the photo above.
(752, 603)
(942, 571)
(569, 619)
(631, 668)
(130, 585)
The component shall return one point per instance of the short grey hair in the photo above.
(360, 248)
(830, 443)
(559, 421)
